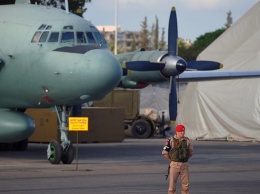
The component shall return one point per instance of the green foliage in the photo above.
(150, 38)
(201, 43)
(182, 48)
(162, 43)
(77, 6)
(156, 34)
(144, 42)
(229, 20)
(133, 45)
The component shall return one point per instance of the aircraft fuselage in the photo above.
(50, 57)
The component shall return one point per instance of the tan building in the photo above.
(126, 40)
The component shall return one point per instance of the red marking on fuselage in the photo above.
(48, 99)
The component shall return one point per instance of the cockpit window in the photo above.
(99, 38)
(36, 36)
(54, 37)
(67, 27)
(41, 34)
(90, 37)
(44, 36)
(67, 37)
(81, 38)
(48, 27)
(42, 27)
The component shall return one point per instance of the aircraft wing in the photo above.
(194, 76)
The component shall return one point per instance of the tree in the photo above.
(156, 34)
(133, 44)
(162, 43)
(229, 20)
(183, 46)
(201, 43)
(144, 42)
(152, 37)
(75, 6)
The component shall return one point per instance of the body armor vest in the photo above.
(180, 151)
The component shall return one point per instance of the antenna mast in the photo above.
(67, 6)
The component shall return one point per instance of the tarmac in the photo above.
(132, 166)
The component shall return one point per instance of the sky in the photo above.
(195, 17)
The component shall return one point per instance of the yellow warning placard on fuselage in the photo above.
(78, 123)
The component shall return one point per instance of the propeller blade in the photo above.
(173, 101)
(144, 66)
(203, 65)
(173, 33)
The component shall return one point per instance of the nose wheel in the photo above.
(64, 152)
(54, 152)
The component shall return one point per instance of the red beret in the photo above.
(179, 128)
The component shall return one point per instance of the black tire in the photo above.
(56, 152)
(6, 146)
(68, 155)
(21, 145)
(141, 129)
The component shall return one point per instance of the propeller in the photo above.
(181, 64)
(144, 66)
(203, 65)
(171, 65)
(173, 51)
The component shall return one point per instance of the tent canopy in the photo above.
(227, 110)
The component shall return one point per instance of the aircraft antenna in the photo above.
(67, 6)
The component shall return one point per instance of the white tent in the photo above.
(157, 97)
(227, 110)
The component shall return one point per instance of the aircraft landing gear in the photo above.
(64, 152)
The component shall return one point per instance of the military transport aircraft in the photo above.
(141, 68)
(49, 58)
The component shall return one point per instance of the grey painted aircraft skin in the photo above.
(49, 58)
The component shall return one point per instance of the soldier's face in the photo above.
(181, 134)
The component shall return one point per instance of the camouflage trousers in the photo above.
(179, 169)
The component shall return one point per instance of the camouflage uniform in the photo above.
(176, 167)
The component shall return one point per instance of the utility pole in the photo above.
(115, 48)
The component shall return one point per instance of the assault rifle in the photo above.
(168, 171)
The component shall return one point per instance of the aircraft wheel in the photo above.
(68, 154)
(6, 146)
(1, 147)
(141, 129)
(21, 145)
(54, 152)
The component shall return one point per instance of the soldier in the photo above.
(177, 151)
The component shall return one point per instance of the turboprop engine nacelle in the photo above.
(15, 126)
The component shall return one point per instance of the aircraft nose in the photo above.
(105, 69)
